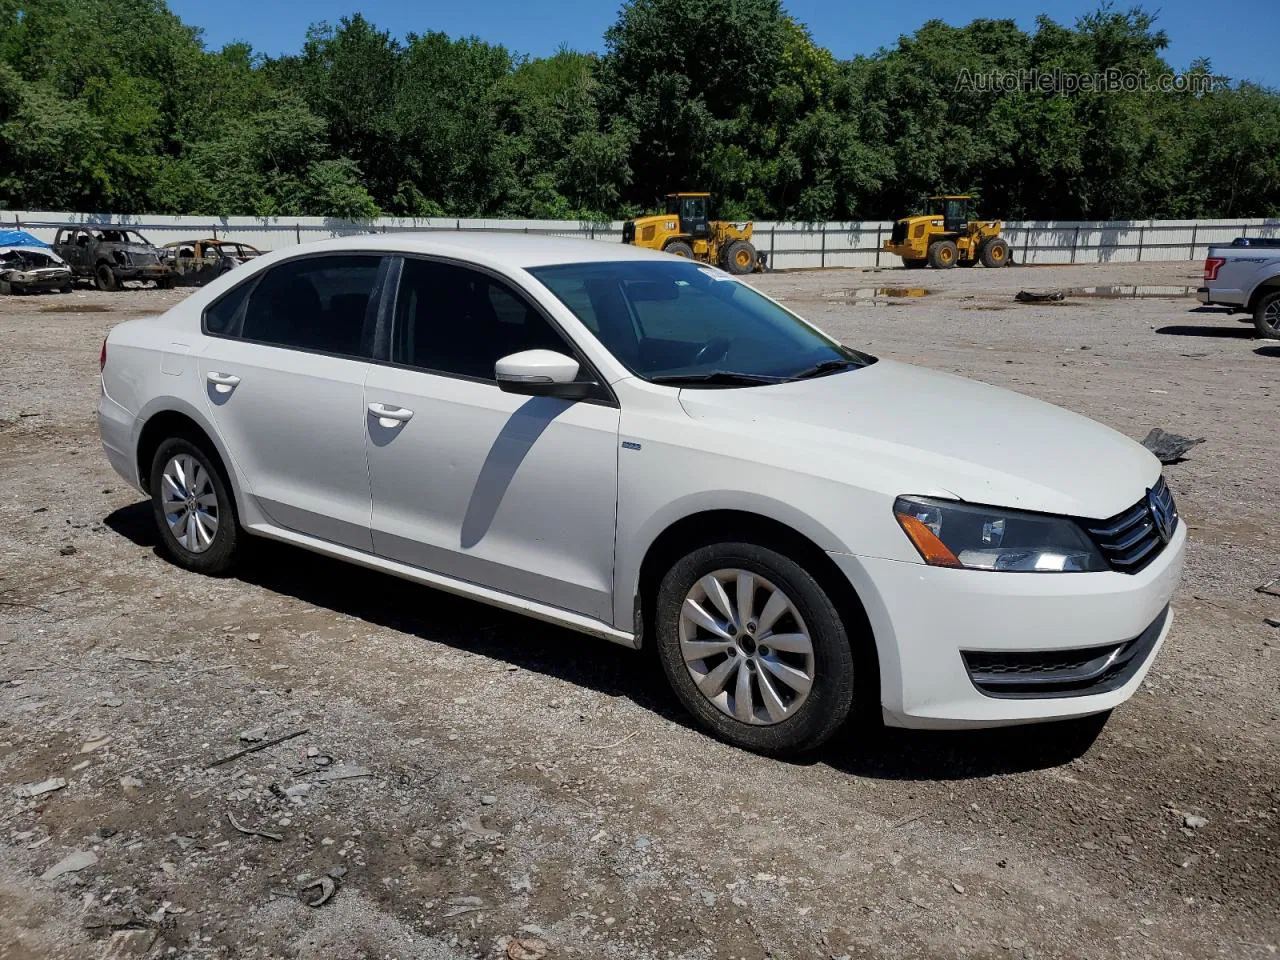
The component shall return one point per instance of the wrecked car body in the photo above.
(196, 262)
(111, 256)
(28, 265)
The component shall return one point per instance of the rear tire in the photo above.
(740, 258)
(995, 252)
(1266, 316)
(943, 255)
(196, 515)
(784, 718)
(679, 248)
(105, 278)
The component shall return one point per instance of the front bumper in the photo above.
(925, 619)
(149, 271)
(38, 281)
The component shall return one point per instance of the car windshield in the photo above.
(689, 324)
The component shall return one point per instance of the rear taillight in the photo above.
(102, 357)
(1211, 267)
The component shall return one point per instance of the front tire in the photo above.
(105, 278)
(943, 255)
(679, 248)
(193, 508)
(754, 648)
(1266, 316)
(740, 258)
(995, 252)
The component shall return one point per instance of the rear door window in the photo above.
(321, 304)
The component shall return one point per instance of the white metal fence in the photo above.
(788, 245)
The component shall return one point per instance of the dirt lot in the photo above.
(481, 778)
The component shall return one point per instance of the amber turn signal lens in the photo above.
(933, 550)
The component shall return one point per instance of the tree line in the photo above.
(117, 106)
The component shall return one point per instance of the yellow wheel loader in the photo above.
(947, 234)
(686, 230)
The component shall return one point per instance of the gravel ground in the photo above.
(477, 785)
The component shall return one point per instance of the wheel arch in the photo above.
(697, 529)
(1265, 287)
(177, 419)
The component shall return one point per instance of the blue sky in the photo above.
(1239, 37)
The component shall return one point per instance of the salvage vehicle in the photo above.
(1245, 276)
(196, 262)
(648, 450)
(686, 229)
(28, 265)
(110, 256)
(946, 234)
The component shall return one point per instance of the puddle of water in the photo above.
(77, 308)
(878, 296)
(1131, 292)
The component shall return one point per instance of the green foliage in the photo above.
(116, 105)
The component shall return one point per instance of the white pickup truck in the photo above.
(1246, 277)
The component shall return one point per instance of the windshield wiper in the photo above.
(825, 367)
(726, 378)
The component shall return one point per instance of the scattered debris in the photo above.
(474, 827)
(616, 743)
(23, 603)
(527, 948)
(131, 785)
(344, 772)
(1269, 587)
(488, 799)
(461, 905)
(1039, 296)
(96, 743)
(1194, 822)
(325, 886)
(255, 748)
(957, 888)
(1271, 621)
(254, 735)
(67, 550)
(253, 833)
(1169, 447)
(70, 864)
(27, 791)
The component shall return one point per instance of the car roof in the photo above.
(495, 247)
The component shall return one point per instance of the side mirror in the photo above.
(541, 373)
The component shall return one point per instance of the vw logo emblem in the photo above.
(1162, 514)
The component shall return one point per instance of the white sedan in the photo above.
(648, 450)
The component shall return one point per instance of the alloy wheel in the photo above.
(190, 503)
(746, 646)
(1271, 316)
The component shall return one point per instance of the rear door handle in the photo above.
(389, 416)
(223, 382)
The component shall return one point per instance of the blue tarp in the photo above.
(19, 238)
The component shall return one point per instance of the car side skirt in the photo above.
(462, 588)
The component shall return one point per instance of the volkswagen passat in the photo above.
(649, 450)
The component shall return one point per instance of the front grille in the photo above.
(899, 232)
(1133, 538)
(1077, 672)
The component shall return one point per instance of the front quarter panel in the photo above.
(671, 466)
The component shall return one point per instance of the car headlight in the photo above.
(951, 534)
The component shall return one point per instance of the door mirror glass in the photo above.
(540, 373)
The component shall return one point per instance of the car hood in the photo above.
(910, 430)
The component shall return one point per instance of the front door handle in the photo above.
(223, 382)
(388, 416)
